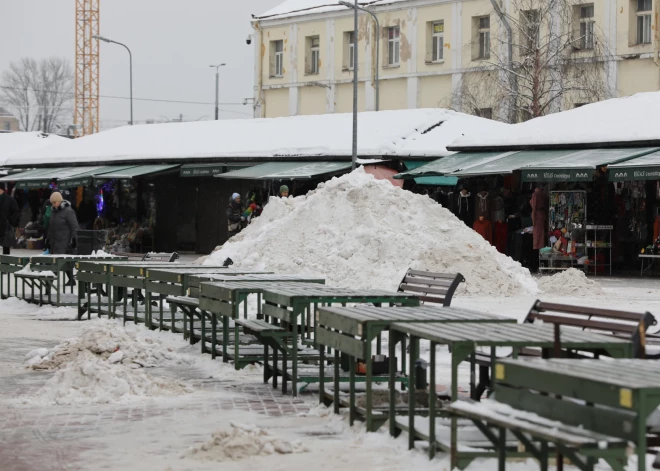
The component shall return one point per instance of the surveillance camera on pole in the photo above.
(249, 39)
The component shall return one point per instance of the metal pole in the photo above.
(355, 87)
(130, 57)
(217, 91)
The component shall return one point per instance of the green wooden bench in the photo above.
(352, 330)
(586, 409)
(226, 299)
(463, 339)
(10, 264)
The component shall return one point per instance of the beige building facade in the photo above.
(8, 123)
(304, 60)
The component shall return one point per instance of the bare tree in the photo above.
(550, 54)
(38, 93)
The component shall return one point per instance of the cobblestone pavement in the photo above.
(45, 438)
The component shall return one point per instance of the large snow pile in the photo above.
(91, 379)
(571, 282)
(360, 232)
(243, 441)
(109, 341)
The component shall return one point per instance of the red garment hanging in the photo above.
(501, 235)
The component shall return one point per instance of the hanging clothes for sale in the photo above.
(539, 205)
(484, 228)
(463, 207)
(482, 205)
(500, 237)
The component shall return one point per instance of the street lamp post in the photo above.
(373, 15)
(130, 58)
(217, 88)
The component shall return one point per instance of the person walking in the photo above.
(63, 230)
(9, 218)
(284, 191)
(235, 218)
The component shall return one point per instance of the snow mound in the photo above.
(360, 232)
(105, 339)
(241, 442)
(90, 379)
(45, 312)
(571, 282)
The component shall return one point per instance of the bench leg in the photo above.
(501, 450)
(336, 383)
(274, 372)
(321, 374)
(351, 393)
(543, 462)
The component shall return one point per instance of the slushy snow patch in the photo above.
(90, 379)
(571, 282)
(241, 442)
(359, 232)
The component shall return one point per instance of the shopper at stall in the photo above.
(9, 218)
(284, 191)
(63, 230)
(539, 203)
(235, 219)
(463, 207)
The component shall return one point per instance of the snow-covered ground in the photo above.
(219, 417)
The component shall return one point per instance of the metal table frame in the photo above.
(10, 264)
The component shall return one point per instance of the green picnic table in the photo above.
(225, 297)
(287, 304)
(352, 330)
(98, 273)
(10, 264)
(46, 272)
(463, 339)
(174, 281)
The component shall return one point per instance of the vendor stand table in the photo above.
(288, 304)
(352, 330)
(550, 261)
(652, 261)
(462, 340)
(224, 298)
(57, 264)
(174, 281)
(10, 264)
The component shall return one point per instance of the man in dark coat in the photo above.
(62, 230)
(9, 218)
(235, 218)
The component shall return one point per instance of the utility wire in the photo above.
(157, 100)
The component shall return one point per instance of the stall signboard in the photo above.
(75, 182)
(32, 184)
(556, 175)
(634, 173)
(202, 171)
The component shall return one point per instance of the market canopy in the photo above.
(41, 178)
(646, 167)
(450, 164)
(85, 178)
(579, 166)
(209, 170)
(288, 171)
(128, 173)
(434, 180)
(510, 162)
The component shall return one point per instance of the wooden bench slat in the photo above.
(590, 324)
(420, 289)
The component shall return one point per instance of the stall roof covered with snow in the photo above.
(620, 122)
(419, 134)
(15, 143)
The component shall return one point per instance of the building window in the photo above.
(393, 45)
(587, 27)
(644, 21)
(578, 105)
(276, 58)
(349, 50)
(483, 37)
(484, 112)
(438, 41)
(7, 125)
(530, 24)
(313, 58)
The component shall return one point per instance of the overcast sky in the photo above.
(173, 43)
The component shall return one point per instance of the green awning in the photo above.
(85, 178)
(448, 164)
(435, 181)
(511, 162)
(646, 167)
(131, 172)
(209, 170)
(38, 178)
(288, 170)
(580, 165)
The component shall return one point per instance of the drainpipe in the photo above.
(259, 101)
(656, 38)
(513, 81)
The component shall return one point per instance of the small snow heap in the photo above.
(571, 282)
(360, 232)
(109, 341)
(241, 442)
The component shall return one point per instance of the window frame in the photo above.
(393, 46)
(437, 42)
(483, 38)
(646, 21)
(587, 37)
(315, 55)
(279, 59)
(480, 112)
(351, 50)
(531, 18)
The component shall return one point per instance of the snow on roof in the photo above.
(403, 133)
(15, 143)
(616, 121)
(291, 8)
